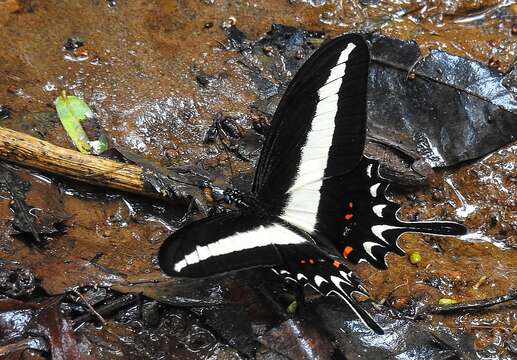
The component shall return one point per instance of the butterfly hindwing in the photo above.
(327, 276)
(358, 218)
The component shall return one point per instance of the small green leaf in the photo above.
(71, 111)
(415, 257)
(291, 309)
(447, 301)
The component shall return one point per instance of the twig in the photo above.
(92, 310)
(482, 14)
(466, 306)
(29, 151)
(116, 304)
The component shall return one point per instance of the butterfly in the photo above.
(316, 200)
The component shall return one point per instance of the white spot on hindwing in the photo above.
(368, 245)
(369, 170)
(374, 188)
(346, 277)
(318, 280)
(300, 277)
(377, 209)
(378, 230)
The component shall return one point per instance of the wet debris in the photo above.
(510, 80)
(184, 293)
(296, 339)
(136, 327)
(176, 183)
(16, 281)
(38, 124)
(204, 79)
(108, 307)
(452, 306)
(57, 276)
(50, 331)
(28, 219)
(73, 43)
(233, 134)
(237, 39)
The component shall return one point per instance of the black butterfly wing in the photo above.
(228, 242)
(326, 275)
(355, 214)
(319, 127)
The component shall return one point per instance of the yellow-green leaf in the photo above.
(71, 110)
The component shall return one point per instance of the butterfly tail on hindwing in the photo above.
(326, 276)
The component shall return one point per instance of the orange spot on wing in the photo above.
(336, 264)
(347, 251)
(349, 216)
(311, 261)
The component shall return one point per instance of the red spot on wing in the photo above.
(349, 216)
(336, 264)
(350, 204)
(347, 251)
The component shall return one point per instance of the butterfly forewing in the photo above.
(319, 127)
(223, 243)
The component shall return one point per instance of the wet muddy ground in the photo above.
(156, 73)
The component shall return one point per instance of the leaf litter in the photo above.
(105, 247)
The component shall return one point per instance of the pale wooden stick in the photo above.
(29, 151)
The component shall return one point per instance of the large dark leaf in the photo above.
(403, 338)
(28, 219)
(444, 108)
